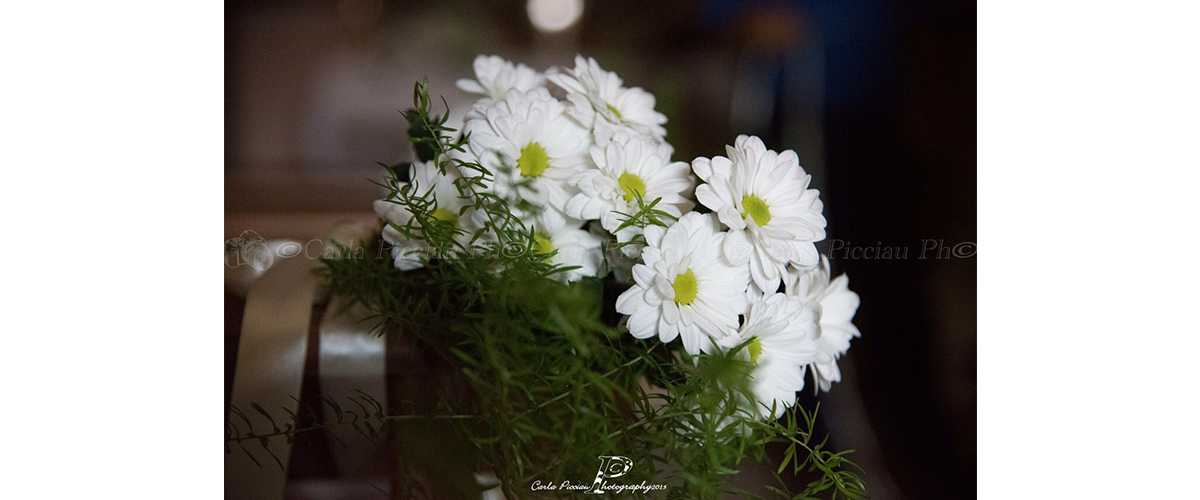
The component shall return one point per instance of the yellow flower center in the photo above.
(757, 208)
(542, 244)
(630, 184)
(533, 160)
(755, 349)
(614, 110)
(444, 216)
(685, 288)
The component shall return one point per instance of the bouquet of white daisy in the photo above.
(589, 299)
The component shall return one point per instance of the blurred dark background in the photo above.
(877, 98)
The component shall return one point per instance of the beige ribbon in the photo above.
(270, 365)
(352, 363)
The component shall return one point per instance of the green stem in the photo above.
(588, 383)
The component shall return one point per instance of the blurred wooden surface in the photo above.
(297, 203)
(292, 225)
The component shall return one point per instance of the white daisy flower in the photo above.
(834, 306)
(571, 245)
(625, 171)
(425, 177)
(596, 95)
(763, 197)
(494, 77)
(685, 287)
(781, 330)
(531, 146)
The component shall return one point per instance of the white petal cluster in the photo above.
(780, 331)
(531, 146)
(584, 159)
(768, 223)
(833, 305)
(685, 287)
(599, 95)
(627, 168)
(539, 151)
(425, 177)
(605, 133)
(572, 171)
(494, 77)
(763, 198)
